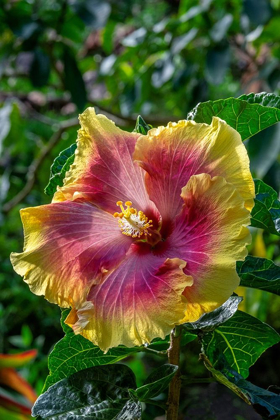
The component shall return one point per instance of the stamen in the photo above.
(131, 222)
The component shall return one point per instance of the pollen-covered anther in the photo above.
(131, 222)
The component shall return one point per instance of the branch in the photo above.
(175, 384)
(37, 162)
(57, 103)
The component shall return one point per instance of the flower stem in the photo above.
(175, 384)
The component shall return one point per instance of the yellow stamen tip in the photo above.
(132, 222)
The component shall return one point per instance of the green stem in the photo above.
(190, 381)
(158, 352)
(175, 384)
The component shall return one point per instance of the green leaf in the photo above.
(265, 99)
(263, 150)
(266, 212)
(40, 68)
(74, 353)
(266, 403)
(108, 37)
(100, 392)
(73, 79)
(156, 382)
(240, 340)
(247, 115)
(259, 273)
(141, 126)
(210, 320)
(59, 168)
(94, 13)
(217, 64)
(161, 345)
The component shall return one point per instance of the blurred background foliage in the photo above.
(157, 58)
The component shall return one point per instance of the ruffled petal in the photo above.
(68, 247)
(103, 170)
(139, 301)
(171, 155)
(210, 235)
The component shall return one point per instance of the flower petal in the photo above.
(141, 300)
(172, 154)
(210, 235)
(68, 246)
(103, 170)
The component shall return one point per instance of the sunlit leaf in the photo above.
(17, 360)
(243, 114)
(180, 42)
(11, 415)
(8, 401)
(10, 378)
(5, 122)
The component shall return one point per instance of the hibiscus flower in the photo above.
(145, 232)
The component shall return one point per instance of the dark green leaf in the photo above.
(264, 402)
(258, 15)
(40, 68)
(156, 382)
(244, 115)
(141, 126)
(240, 340)
(211, 320)
(100, 392)
(259, 273)
(263, 150)
(59, 168)
(94, 13)
(266, 212)
(73, 78)
(74, 353)
(217, 64)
